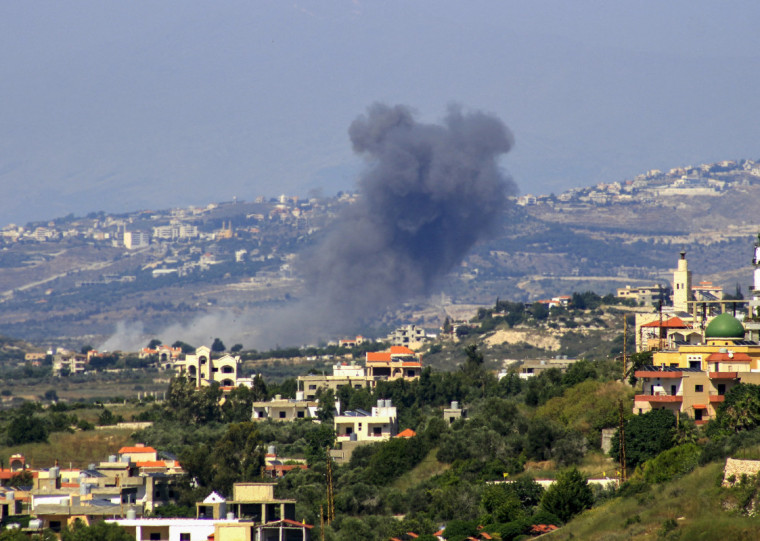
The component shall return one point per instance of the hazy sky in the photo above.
(116, 106)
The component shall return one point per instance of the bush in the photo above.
(672, 463)
(568, 496)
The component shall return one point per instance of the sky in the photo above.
(121, 106)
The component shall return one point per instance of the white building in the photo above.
(136, 239)
(358, 425)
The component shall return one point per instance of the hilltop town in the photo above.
(179, 264)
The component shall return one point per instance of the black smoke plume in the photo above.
(429, 194)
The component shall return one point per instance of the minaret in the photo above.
(754, 304)
(682, 285)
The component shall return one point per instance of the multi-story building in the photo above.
(202, 369)
(693, 379)
(399, 362)
(646, 295)
(410, 336)
(358, 425)
(285, 409)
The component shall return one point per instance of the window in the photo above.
(155, 536)
(282, 415)
(300, 414)
(698, 388)
(184, 537)
(312, 387)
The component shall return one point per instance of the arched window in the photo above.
(228, 370)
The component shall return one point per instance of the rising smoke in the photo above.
(430, 192)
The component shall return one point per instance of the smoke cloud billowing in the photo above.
(429, 194)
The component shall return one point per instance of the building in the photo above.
(358, 425)
(644, 295)
(202, 369)
(682, 285)
(693, 379)
(398, 362)
(285, 409)
(343, 374)
(136, 239)
(410, 336)
(533, 367)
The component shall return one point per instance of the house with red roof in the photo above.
(399, 362)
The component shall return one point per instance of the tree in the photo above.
(86, 349)
(235, 348)
(447, 326)
(27, 429)
(186, 348)
(568, 495)
(326, 410)
(646, 436)
(741, 408)
(154, 343)
(217, 346)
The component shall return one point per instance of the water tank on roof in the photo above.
(91, 466)
(131, 514)
(388, 403)
(299, 395)
(10, 495)
(34, 524)
(454, 405)
(112, 458)
(54, 472)
(380, 403)
(353, 437)
(230, 516)
(272, 450)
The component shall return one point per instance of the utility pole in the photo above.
(330, 493)
(625, 339)
(621, 433)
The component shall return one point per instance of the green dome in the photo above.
(725, 326)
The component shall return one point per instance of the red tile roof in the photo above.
(137, 449)
(406, 433)
(672, 323)
(729, 358)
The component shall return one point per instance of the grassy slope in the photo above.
(429, 467)
(78, 449)
(694, 502)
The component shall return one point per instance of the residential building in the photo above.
(398, 362)
(136, 239)
(410, 336)
(645, 295)
(693, 379)
(358, 425)
(533, 367)
(202, 369)
(343, 374)
(285, 409)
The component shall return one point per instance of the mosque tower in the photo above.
(682, 284)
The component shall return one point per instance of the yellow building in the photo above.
(694, 379)
(724, 348)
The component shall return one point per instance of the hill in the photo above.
(73, 279)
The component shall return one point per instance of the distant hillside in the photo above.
(74, 279)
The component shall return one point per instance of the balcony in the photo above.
(723, 375)
(658, 398)
(717, 398)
